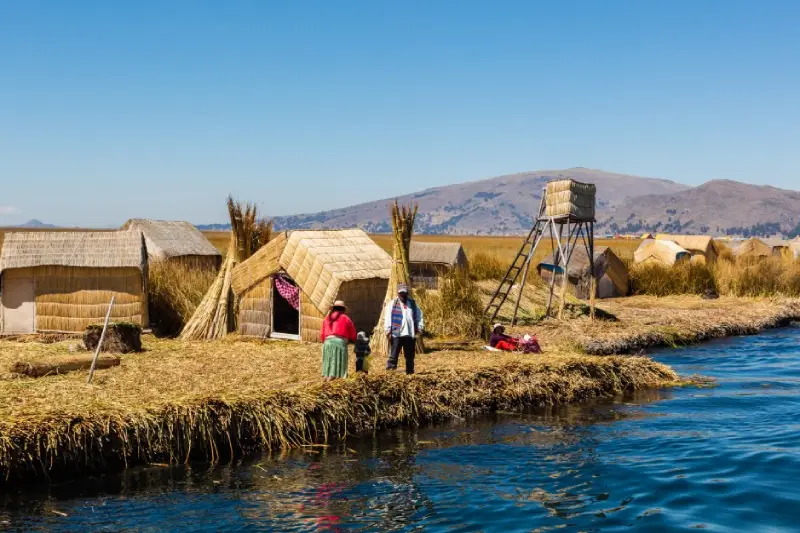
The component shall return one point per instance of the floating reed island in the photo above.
(191, 400)
(182, 400)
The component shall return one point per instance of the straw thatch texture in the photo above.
(74, 276)
(700, 247)
(321, 261)
(176, 240)
(570, 198)
(656, 252)
(780, 247)
(429, 261)
(310, 319)
(91, 249)
(610, 272)
(326, 266)
(255, 307)
(262, 264)
(753, 247)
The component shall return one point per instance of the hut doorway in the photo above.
(18, 307)
(285, 308)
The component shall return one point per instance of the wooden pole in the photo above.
(100, 344)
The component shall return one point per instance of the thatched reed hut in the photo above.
(176, 241)
(609, 270)
(794, 247)
(753, 248)
(429, 261)
(701, 248)
(780, 247)
(647, 236)
(64, 281)
(289, 285)
(654, 252)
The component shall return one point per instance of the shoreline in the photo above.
(209, 401)
(216, 430)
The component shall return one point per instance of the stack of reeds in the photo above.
(403, 218)
(216, 314)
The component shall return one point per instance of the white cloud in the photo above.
(6, 210)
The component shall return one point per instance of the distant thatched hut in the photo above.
(429, 261)
(63, 281)
(665, 253)
(176, 241)
(780, 247)
(289, 285)
(752, 247)
(610, 271)
(701, 248)
(647, 236)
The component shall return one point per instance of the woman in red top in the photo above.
(337, 331)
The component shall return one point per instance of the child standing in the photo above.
(362, 350)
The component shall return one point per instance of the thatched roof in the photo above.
(171, 238)
(441, 253)
(318, 261)
(663, 252)
(777, 243)
(692, 243)
(753, 247)
(93, 249)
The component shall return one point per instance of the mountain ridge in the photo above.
(506, 205)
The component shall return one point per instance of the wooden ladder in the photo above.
(520, 265)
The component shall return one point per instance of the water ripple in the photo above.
(725, 458)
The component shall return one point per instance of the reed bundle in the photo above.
(215, 315)
(403, 218)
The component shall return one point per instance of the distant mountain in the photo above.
(36, 224)
(504, 205)
(718, 207)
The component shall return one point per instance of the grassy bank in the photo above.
(181, 400)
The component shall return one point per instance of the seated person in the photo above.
(501, 341)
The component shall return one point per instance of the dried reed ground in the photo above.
(208, 400)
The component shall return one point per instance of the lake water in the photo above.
(720, 459)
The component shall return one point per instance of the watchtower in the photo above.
(567, 210)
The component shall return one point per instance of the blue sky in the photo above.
(110, 110)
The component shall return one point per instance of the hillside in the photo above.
(719, 207)
(498, 206)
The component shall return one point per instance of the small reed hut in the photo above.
(430, 261)
(176, 241)
(701, 248)
(64, 281)
(664, 253)
(610, 272)
(288, 286)
(752, 248)
(780, 247)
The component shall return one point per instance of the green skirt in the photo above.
(334, 358)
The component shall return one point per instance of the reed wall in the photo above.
(67, 299)
(364, 299)
(310, 319)
(255, 308)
